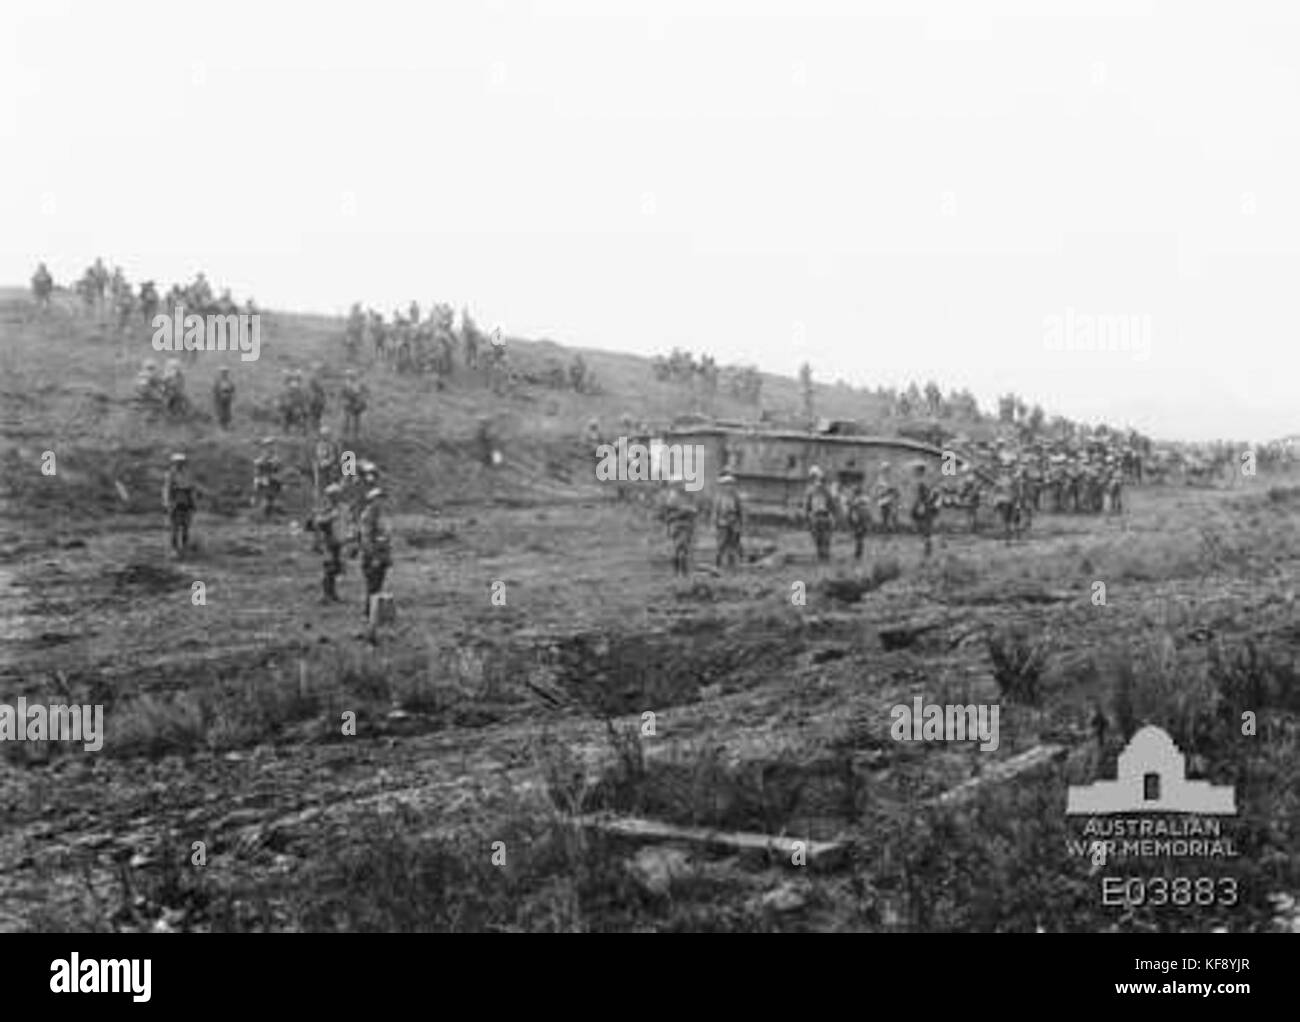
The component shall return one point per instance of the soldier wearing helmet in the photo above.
(326, 464)
(375, 542)
(925, 505)
(728, 522)
(354, 399)
(266, 477)
(178, 499)
(680, 513)
(223, 396)
(819, 512)
(887, 498)
(328, 526)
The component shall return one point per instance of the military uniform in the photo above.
(679, 516)
(818, 507)
(266, 480)
(1004, 500)
(354, 403)
(316, 401)
(1115, 489)
(42, 285)
(223, 396)
(178, 500)
(887, 502)
(969, 496)
(173, 385)
(859, 520)
(326, 466)
(728, 523)
(925, 508)
(375, 542)
(327, 521)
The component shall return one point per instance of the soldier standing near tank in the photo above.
(925, 506)
(887, 499)
(818, 509)
(728, 522)
(679, 517)
(859, 518)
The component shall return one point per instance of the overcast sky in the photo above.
(890, 191)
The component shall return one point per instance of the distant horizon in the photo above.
(892, 191)
(987, 407)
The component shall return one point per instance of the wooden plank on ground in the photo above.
(742, 842)
(1038, 756)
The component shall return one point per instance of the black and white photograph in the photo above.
(559, 466)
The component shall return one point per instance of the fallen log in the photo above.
(1039, 755)
(815, 853)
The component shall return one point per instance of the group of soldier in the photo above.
(103, 291)
(302, 406)
(1020, 483)
(413, 343)
(821, 507)
(348, 516)
(163, 389)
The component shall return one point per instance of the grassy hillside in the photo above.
(480, 721)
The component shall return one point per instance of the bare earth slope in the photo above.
(492, 740)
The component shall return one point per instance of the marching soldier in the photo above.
(859, 518)
(375, 544)
(266, 478)
(149, 301)
(887, 499)
(819, 512)
(969, 496)
(354, 403)
(223, 396)
(679, 517)
(174, 387)
(328, 525)
(728, 521)
(366, 479)
(1011, 503)
(1115, 488)
(925, 506)
(42, 286)
(326, 465)
(356, 330)
(316, 398)
(178, 502)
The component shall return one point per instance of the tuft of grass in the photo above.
(1018, 663)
